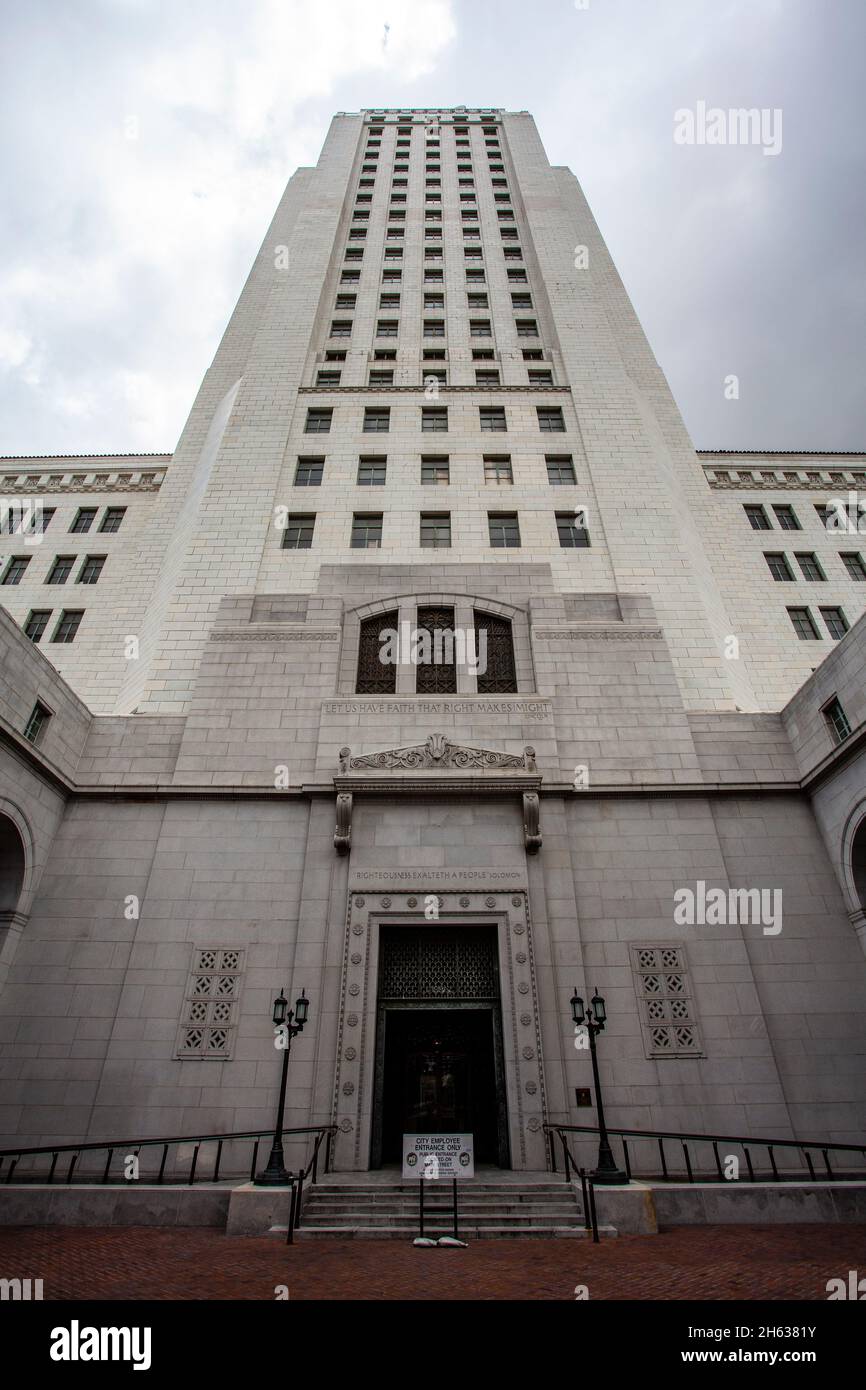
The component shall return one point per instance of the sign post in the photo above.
(432, 1157)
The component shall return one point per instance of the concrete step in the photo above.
(408, 1232)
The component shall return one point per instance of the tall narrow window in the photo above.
(494, 652)
(436, 671)
(377, 673)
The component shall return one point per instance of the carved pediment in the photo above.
(437, 753)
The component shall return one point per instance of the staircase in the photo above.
(487, 1209)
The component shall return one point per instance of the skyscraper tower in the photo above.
(428, 674)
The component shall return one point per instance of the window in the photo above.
(532, 354)
(377, 420)
(560, 470)
(474, 277)
(526, 328)
(208, 1020)
(91, 569)
(494, 649)
(550, 419)
(61, 569)
(84, 519)
(375, 676)
(434, 419)
(14, 572)
(541, 378)
(371, 471)
(354, 253)
(778, 566)
(346, 301)
(836, 720)
(504, 529)
(835, 622)
(853, 563)
(786, 517)
(434, 374)
(366, 531)
(328, 378)
(803, 624)
(389, 301)
(391, 275)
(381, 377)
(67, 625)
(318, 421)
(438, 673)
(517, 276)
(386, 328)
(487, 377)
(37, 622)
(480, 328)
(521, 301)
(37, 721)
(434, 301)
(434, 328)
(298, 531)
(309, 471)
(492, 418)
(571, 528)
(336, 355)
(435, 530)
(435, 469)
(432, 276)
(758, 519)
(497, 469)
(666, 1001)
(809, 565)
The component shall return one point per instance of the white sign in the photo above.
(437, 1156)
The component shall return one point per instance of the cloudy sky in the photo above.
(145, 144)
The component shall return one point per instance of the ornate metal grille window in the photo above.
(375, 677)
(209, 1016)
(500, 676)
(439, 674)
(435, 964)
(667, 1009)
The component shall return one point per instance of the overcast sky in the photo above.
(145, 145)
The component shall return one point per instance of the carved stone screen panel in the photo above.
(209, 1013)
(427, 963)
(667, 1008)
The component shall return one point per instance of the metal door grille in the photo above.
(375, 677)
(500, 676)
(430, 964)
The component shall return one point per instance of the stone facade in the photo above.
(221, 803)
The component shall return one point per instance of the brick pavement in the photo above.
(707, 1262)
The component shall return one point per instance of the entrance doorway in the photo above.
(439, 1063)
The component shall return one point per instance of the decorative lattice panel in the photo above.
(499, 676)
(430, 964)
(667, 1008)
(209, 1015)
(375, 676)
(439, 675)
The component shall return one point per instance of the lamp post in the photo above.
(289, 1022)
(593, 1022)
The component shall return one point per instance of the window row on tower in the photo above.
(434, 419)
(435, 469)
(435, 530)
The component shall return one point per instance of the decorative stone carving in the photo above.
(350, 1054)
(520, 957)
(518, 929)
(523, 987)
(531, 814)
(358, 929)
(348, 1088)
(528, 1053)
(359, 902)
(531, 1088)
(352, 1020)
(534, 1124)
(490, 902)
(412, 902)
(526, 1019)
(516, 902)
(354, 989)
(386, 902)
(437, 752)
(346, 1126)
(464, 902)
(343, 827)
(356, 957)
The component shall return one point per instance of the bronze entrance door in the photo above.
(439, 1065)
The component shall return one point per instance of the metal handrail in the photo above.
(746, 1142)
(166, 1142)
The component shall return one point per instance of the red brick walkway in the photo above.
(707, 1262)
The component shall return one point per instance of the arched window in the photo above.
(858, 864)
(494, 649)
(436, 669)
(377, 656)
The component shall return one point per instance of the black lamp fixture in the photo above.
(287, 1024)
(594, 1021)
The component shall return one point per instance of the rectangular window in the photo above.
(298, 531)
(67, 625)
(808, 563)
(341, 328)
(498, 469)
(84, 519)
(435, 530)
(391, 275)
(377, 420)
(571, 529)
(60, 570)
(550, 419)
(328, 378)
(541, 378)
(560, 470)
(853, 563)
(786, 517)
(434, 419)
(492, 418)
(480, 328)
(91, 569)
(434, 301)
(758, 519)
(803, 624)
(309, 472)
(381, 377)
(36, 723)
(389, 301)
(37, 622)
(371, 471)
(432, 374)
(318, 421)
(504, 529)
(386, 328)
(434, 328)
(777, 563)
(14, 571)
(835, 622)
(345, 301)
(435, 469)
(836, 720)
(366, 531)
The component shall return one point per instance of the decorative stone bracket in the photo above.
(343, 827)
(531, 822)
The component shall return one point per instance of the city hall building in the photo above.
(435, 674)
